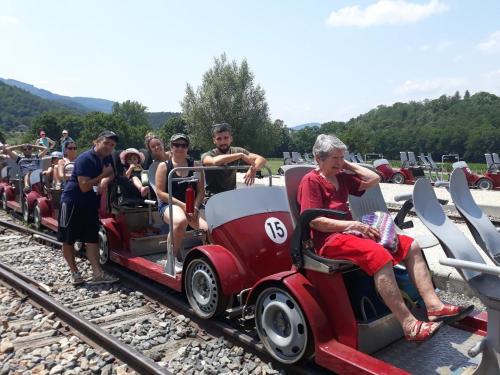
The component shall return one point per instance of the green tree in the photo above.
(172, 125)
(228, 94)
(133, 113)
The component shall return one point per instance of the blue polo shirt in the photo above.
(87, 164)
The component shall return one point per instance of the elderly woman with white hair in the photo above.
(328, 186)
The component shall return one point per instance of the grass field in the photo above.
(275, 163)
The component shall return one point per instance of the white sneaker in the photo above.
(77, 278)
(103, 278)
(178, 266)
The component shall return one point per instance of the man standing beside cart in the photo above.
(78, 216)
(225, 154)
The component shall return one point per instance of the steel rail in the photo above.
(125, 353)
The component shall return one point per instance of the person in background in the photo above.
(52, 171)
(65, 138)
(66, 164)
(27, 162)
(179, 144)
(155, 150)
(225, 154)
(78, 216)
(45, 141)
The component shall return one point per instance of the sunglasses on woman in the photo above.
(180, 145)
(70, 148)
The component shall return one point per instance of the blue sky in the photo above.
(316, 60)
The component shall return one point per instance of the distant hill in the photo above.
(19, 107)
(83, 104)
(309, 124)
(157, 119)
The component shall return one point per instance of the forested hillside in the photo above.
(20, 107)
(469, 126)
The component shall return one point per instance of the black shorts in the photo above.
(78, 224)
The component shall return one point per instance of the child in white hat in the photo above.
(132, 158)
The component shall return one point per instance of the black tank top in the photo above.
(179, 187)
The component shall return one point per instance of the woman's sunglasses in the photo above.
(180, 145)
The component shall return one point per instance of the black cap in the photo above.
(177, 136)
(108, 134)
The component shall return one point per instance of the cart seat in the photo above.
(293, 176)
(482, 229)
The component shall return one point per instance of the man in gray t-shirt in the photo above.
(225, 154)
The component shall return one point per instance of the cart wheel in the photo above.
(103, 246)
(282, 327)
(25, 210)
(37, 217)
(203, 289)
(484, 184)
(280, 171)
(398, 178)
(4, 201)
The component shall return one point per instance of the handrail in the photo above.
(170, 266)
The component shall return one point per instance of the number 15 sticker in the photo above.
(275, 230)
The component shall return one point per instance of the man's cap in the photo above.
(56, 154)
(65, 132)
(177, 136)
(108, 134)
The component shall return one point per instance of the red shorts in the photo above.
(365, 253)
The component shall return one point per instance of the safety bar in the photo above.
(446, 184)
(457, 263)
(170, 267)
(403, 197)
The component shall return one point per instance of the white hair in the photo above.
(325, 144)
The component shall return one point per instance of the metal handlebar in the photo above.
(170, 267)
(480, 267)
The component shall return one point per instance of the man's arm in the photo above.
(86, 183)
(43, 152)
(10, 152)
(256, 163)
(210, 161)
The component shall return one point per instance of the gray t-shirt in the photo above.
(219, 181)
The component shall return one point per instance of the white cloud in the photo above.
(444, 45)
(385, 12)
(424, 47)
(431, 86)
(458, 58)
(9, 20)
(492, 44)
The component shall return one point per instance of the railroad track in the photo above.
(145, 326)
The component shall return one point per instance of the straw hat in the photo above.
(128, 151)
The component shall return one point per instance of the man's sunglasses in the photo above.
(70, 148)
(180, 145)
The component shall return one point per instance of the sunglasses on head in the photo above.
(180, 145)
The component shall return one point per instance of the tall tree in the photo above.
(229, 94)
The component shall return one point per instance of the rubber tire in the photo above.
(218, 301)
(103, 246)
(283, 301)
(25, 210)
(484, 184)
(280, 172)
(37, 217)
(398, 178)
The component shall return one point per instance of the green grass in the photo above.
(275, 163)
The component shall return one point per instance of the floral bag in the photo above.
(382, 221)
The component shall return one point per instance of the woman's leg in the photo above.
(198, 223)
(421, 277)
(179, 229)
(387, 286)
